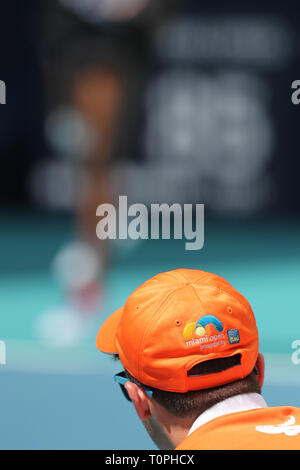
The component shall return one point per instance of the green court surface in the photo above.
(65, 397)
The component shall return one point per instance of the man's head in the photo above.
(191, 338)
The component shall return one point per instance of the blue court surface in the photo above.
(65, 398)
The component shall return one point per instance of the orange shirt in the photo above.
(259, 429)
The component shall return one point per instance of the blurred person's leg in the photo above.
(97, 95)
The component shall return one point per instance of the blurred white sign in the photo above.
(2, 353)
(2, 92)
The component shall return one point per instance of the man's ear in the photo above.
(140, 400)
(260, 364)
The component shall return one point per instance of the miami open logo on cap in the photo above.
(197, 333)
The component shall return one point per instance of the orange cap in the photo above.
(176, 320)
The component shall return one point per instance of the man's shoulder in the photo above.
(261, 428)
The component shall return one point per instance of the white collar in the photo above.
(243, 402)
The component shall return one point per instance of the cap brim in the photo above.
(106, 336)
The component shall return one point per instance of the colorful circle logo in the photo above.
(198, 328)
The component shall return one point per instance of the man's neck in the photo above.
(177, 430)
(238, 403)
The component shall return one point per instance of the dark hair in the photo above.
(193, 403)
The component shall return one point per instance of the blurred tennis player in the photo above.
(189, 345)
(94, 71)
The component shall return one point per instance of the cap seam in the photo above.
(246, 304)
(194, 280)
(139, 362)
(239, 300)
(196, 294)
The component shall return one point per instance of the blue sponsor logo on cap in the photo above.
(233, 336)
